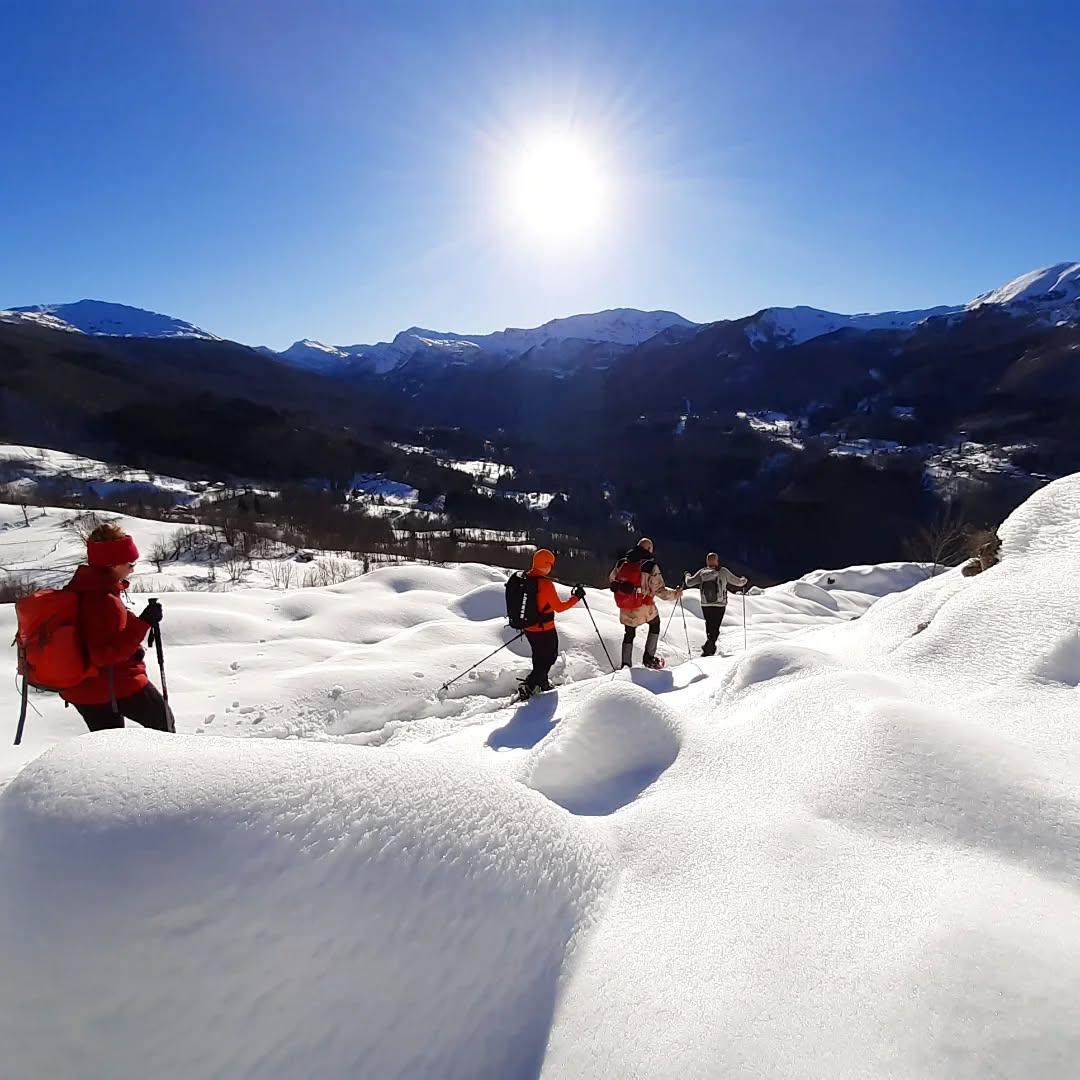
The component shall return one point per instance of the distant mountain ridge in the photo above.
(557, 344)
(111, 320)
(1050, 295)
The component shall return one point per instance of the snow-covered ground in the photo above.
(25, 468)
(482, 470)
(779, 425)
(848, 851)
(45, 552)
(971, 460)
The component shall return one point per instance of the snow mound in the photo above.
(925, 773)
(778, 661)
(605, 753)
(1047, 524)
(260, 909)
(804, 590)
(878, 580)
(486, 602)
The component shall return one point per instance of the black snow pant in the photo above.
(651, 641)
(714, 616)
(147, 707)
(545, 651)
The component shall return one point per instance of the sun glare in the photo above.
(557, 193)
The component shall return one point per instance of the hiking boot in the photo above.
(653, 662)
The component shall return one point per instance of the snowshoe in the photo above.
(525, 691)
(654, 663)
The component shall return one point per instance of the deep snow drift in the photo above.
(850, 851)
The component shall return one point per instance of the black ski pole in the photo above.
(155, 640)
(603, 644)
(22, 708)
(689, 654)
(450, 682)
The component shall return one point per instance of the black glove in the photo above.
(152, 613)
(578, 591)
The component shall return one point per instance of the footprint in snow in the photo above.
(235, 665)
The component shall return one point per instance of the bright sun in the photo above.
(557, 193)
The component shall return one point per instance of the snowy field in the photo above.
(849, 851)
(28, 466)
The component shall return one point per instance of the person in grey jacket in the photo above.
(713, 580)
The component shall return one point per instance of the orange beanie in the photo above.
(543, 560)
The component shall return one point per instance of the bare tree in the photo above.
(160, 553)
(236, 566)
(14, 587)
(280, 572)
(329, 572)
(942, 542)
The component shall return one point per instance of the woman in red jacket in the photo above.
(113, 638)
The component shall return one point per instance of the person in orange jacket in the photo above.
(542, 636)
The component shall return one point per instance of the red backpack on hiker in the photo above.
(627, 584)
(52, 655)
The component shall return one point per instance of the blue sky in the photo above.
(275, 170)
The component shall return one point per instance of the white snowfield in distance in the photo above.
(849, 851)
(110, 320)
(27, 467)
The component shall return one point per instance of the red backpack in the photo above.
(52, 655)
(627, 584)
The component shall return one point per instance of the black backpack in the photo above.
(521, 607)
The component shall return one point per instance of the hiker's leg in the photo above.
(148, 708)
(545, 653)
(653, 639)
(100, 717)
(714, 616)
(628, 645)
(544, 645)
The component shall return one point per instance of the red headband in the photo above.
(111, 552)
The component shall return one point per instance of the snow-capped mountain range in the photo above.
(557, 344)
(107, 320)
(1050, 295)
